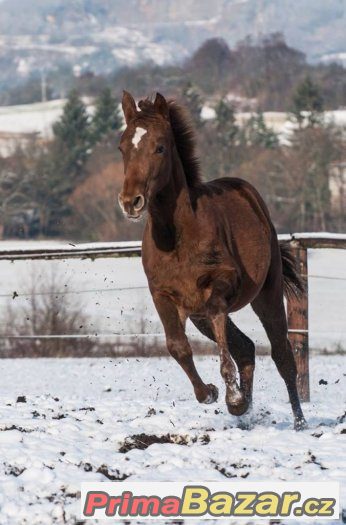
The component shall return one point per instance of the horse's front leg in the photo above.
(179, 347)
(236, 401)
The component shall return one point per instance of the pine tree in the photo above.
(73, 137)
(307, 98)
(64, 164)
(107, 117)
(194, 102)
(257, 133)
(226, 126)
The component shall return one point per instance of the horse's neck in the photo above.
(171, 212)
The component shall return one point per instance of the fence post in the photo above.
(298, 326)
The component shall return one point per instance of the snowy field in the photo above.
(38, 117)
(67, 421)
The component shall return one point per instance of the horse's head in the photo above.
(146, 146)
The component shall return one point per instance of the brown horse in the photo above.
(209, 249)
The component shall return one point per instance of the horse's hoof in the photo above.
(238, 409)
(300, 424)
(212, 396)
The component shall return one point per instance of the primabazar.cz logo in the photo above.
(217, 500)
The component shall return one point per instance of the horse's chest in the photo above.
(176, 276)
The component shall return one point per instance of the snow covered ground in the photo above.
(67, 421)
(17, 123)
(33, 118)
(279, 121)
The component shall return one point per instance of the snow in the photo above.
(319, 235)
(130, 46)
(55, 48)
(334, 57)
(49, 245)
(278, 121)
(204, 22)
(208, 113)
(33, 118)
(77, 415)
(337, 117)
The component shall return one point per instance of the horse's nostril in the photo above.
(138, 202)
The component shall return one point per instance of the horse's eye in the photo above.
(160, 149)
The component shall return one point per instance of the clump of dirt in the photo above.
(117, 476)
(342, 419)
(59, 416)
(225, 471)
(103, 469)
(312, 459)
(143, 441)
(13, 470)
(20, 429)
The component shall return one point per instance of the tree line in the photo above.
(67, 187)
(37, 181)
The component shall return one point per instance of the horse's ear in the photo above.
(161, 105)
(129, 106)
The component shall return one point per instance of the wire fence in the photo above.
(15, 294)
(116, 250)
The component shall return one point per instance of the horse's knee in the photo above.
(179, 349)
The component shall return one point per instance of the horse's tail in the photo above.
(293, 284)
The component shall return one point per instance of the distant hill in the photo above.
(102, 35)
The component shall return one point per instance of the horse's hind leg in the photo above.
(269, 307)
(241, 348)
(179, 347)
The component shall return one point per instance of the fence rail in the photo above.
(70, 251)
(297, 310)
(133, 248)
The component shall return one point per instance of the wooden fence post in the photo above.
(298, 327)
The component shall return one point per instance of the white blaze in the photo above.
(137, 137)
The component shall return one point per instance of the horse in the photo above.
(209, 249)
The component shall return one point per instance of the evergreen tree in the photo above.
(63, 166)
(194, 102)
(107, 117)
(307, 98)
(73, 137)
(257, 133)
(223, 139)
(226, 122)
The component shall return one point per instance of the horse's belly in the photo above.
(255, 256)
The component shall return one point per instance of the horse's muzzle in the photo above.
(132, 207)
